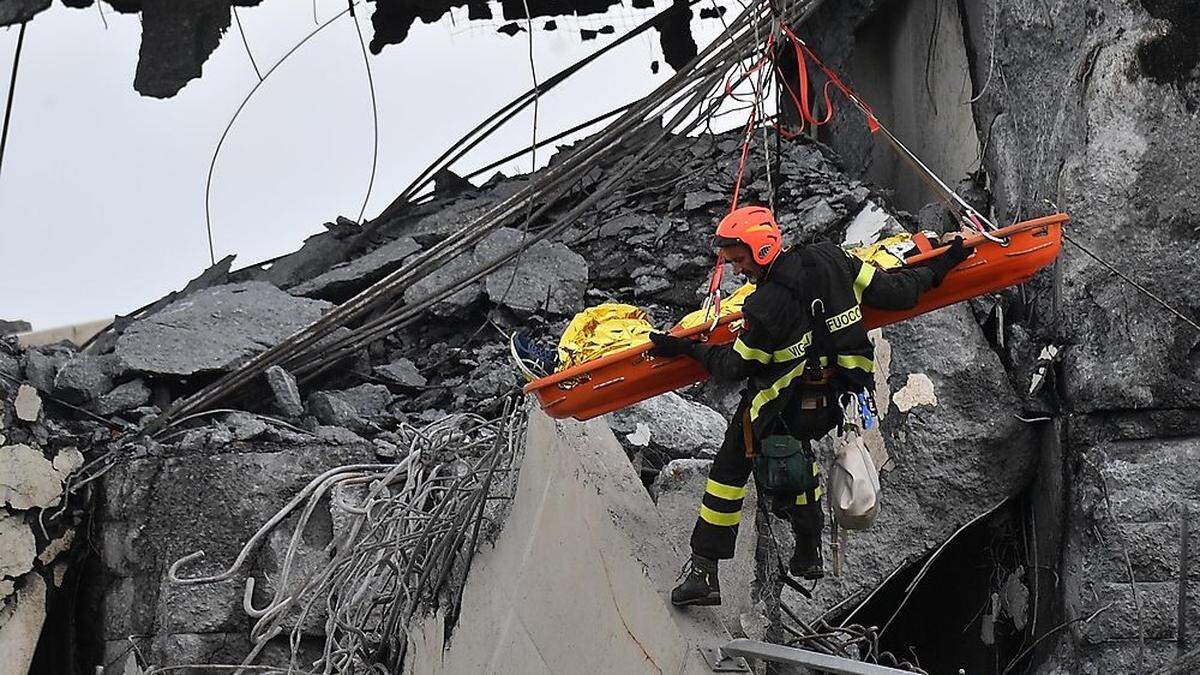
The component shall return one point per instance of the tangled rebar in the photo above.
(404, 537)
(852, 641)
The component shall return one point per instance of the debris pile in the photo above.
(648, 242)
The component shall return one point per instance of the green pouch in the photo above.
(785, 465)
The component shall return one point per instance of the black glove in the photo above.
(942, 264)
(667, 346)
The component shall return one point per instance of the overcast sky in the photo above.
(102, 190)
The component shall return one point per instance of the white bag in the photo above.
(854, 489)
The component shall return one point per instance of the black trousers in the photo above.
(716, 528)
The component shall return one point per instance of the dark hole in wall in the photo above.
(1172, 57)
(940, 626)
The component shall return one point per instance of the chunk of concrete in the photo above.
(27, 478)
(215, 329)
(22, 628)
(83, 379)
(544, 275)
(40, 369)
(28, 404)
(582, 552)
(457, 269)
(677, 426)
(12, 327)
(333, 411)
(123, 397)
(285, 391)
(18, 549)
(402, 372)
(244, 426)
(342, 281)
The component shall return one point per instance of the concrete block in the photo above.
(586, 575)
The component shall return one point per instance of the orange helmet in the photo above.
(755, 227)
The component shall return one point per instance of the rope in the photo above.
(533, 144)
(1188, 320)
(245, 43)
(374, 111)
(12, 87)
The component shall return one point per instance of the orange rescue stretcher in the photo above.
(626, 377)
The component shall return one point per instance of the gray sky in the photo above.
(102, 190)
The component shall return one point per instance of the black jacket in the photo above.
(777, 341)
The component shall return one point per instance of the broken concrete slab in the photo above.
(18, 11)
(346, 279)
(40, 369)
(215, 329)
(456, 270)
(333, 411)
(28, 404)
(21, 629)
(11, 327)
(84, 379)
(581, 526)
(27, 478)
(244, 426)
(285, 391)
(18, 548)
(545, 275)
(402, 372)
(124, 397)
(678, 427)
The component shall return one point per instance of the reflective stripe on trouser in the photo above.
(716, 527)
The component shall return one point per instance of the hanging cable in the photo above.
(12, 88)
(374, 111)
(212, 165)
(1133, 283)
(237, 19)
(532, 154)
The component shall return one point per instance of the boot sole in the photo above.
(707, 600)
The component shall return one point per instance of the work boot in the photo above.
(806, 562)
(700, 585)
(808, 522)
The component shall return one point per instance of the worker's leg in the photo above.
(716, 528)
(803, 511)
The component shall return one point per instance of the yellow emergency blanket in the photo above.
(611, 327)
(886, 254)
(601, 330)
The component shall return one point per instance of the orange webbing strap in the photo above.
(747, 432)
(803, 54)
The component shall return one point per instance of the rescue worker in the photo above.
(804, 343)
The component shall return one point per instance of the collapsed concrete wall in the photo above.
(579, 578)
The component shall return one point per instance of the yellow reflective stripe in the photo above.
(816, 469)
(796, 351)
(767, 395)
(750, 353)
(802, 499)
(860, 362)
(717, 518)
(725, 491)
(770, 394)
(865, 274)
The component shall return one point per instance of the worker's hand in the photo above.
(955, 254)
(667, 346)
